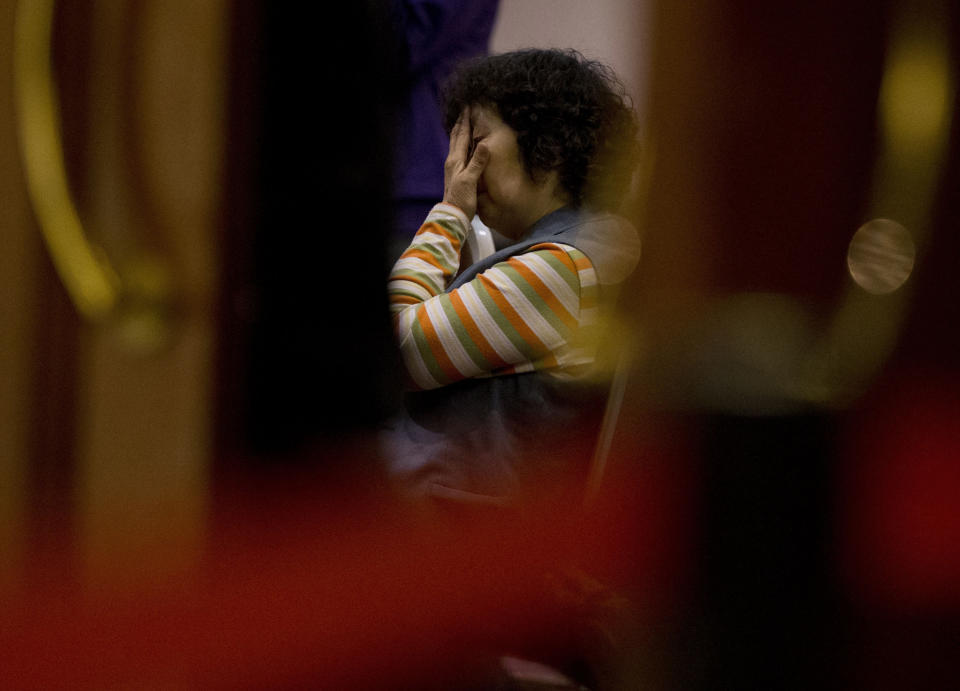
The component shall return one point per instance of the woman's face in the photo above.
(508, 199)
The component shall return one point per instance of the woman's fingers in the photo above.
(460, 187)
(460, 139)
(463, 167)
(477, 162)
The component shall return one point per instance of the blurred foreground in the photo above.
(190, 493)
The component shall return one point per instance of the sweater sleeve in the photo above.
(530, 312)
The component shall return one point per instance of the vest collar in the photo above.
(553, 223)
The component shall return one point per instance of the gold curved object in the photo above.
(915, 109)
(89, 279)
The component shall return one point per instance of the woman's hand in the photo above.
(462, 169)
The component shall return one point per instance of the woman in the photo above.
(501, 353)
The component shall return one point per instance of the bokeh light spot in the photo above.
(881, 256)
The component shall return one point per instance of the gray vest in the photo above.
(500, 439)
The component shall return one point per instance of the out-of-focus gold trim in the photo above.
(914, 109)
(89, 279)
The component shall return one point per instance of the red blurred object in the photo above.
(299, 593)
(902, 498)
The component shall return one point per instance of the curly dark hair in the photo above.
(571, 115)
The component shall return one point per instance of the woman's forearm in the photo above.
(527, 313)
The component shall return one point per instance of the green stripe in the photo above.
(412, 288)
(422, 280)
(570, 277)
(589, 291)
(436, 254)
(541, 365)
(463, 336)
(426, 353)
(538, 303)
(452, 226)
(395, 295)
(526, 349)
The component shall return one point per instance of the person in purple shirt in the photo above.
(434, 36)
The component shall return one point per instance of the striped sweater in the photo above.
(535, 311)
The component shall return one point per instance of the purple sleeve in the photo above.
(436, 33)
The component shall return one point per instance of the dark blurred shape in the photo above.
(900, 525)
(765, 582)
(764, 123)
(307, 356)
(824, 549)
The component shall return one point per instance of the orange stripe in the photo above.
(511, 316)
(429, 287)
(449, 370)
(425, 256)
(436, 228)
(548, 362)
(576, 264)
(474, 331)
(541, 289)
(562, 254)
(546, 246)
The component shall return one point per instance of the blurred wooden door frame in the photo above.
(39, 329)
(106, 445)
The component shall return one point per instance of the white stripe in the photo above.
(554, 282)
(407, 281)
(588, 278)
(416, 269)
(448, 339)
(419, 293)
(449, 225)
(404, 325)
(432, 238)
(564, 375)
(576, 356)
(588, 275)
(440, 244)
(534, 320)
(449, 211)
(411, 356)
(415, 264)
(524, 367)
(488, 327)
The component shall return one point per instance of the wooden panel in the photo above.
(18, 273)
(154, 182)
